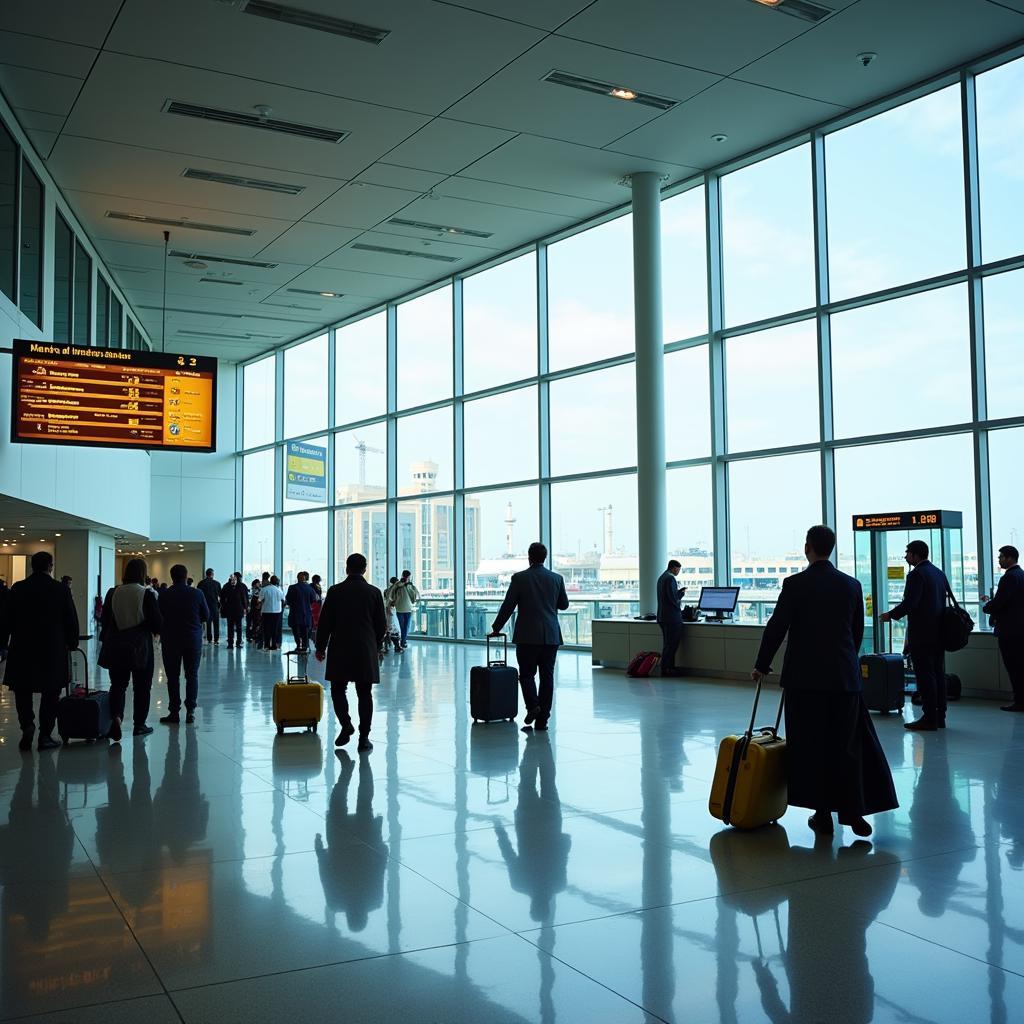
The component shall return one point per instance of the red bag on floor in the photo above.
(643, 664)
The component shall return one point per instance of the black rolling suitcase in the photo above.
(883, 680)
(494, 688)
(83, 714)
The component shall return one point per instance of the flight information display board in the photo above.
(929, 519)
(67, 394)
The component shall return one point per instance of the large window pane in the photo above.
(684, 266)
(687, 404)
(499, 527)
(362, 530)
(257, 548)
(102, 309)
(361, 464)
(772, 502)
(501, 438)
(1004, 344)
(500, 324)
(31, 244)
(305, 387)
(902, 364)
(896, 196)
(114, 328)
(590, 295)
(305, 546)
(771, 384)
(257, 398)
(1007, 490)
(62, 250)
(593, 421)
(361, 352)
(425, 349)
(426, 547)
(425, 452)
(768, 238)
(8, 211)
(305, 474)
(83, 293)
(258, 483)
(691, 527)
(1000, 94)
(594, 546)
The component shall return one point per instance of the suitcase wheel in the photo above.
(64, 739)
(314, 727)
(280, 730)
(476, 721)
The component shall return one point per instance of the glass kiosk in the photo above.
(879, 543)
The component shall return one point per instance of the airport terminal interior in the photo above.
(428, 281)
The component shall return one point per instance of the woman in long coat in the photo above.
(351, 634)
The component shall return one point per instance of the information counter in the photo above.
(728, 652)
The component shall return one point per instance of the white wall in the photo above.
(193, 496)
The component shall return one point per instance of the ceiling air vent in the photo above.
(802, 9)
(318, 22)
(257, 120)
(443, 228)
(218, 280)
(179, 222)
(178, 254)
(618, 92)
(240, 182)
(437, 257)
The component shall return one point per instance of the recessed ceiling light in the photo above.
(329, 295)
(22, 526)
(56, 535)
(619, 92)
(622, 94)
(719, 137)
(805, 10)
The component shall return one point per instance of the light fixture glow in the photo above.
(622, 94)
(329, 295)
(768, 3)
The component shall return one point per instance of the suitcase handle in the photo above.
(753, 714)
(504, 650)
(298, 656)
(85, 670)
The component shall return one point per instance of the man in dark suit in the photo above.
(184, 611)
(234, 605)
(539, 594)
(1006, 610)
(350, 635)
(924, 598)
(835, 762)
(670, 617)
(211, 591)
(39, 627)
(300, 598)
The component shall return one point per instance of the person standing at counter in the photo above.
(834, 759)
(670, 617)
(1006, 611)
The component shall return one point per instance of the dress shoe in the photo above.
(114, 734)
(171, 719)
(347, 729)
(142, 730)
(47, 743)
(26, 739)
(859, 826)
(364, 744)
(940, 723)
(190, 719)
(530, 716)
(820, 824)
(541, 725)
(921, 725)
(1012, 707)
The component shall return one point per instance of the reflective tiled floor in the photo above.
(482, 874)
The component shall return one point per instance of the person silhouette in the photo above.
(538, 868)
(353, 860)
(1006, 807)
(180, 812)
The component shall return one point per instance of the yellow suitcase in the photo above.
(297, 701)
(749, 788)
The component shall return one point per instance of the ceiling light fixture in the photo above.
(622, 94)
(805, 10)
(446, 229)
(619, 92)
(179, 222)
(260, 119)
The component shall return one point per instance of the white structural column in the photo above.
(650, 386)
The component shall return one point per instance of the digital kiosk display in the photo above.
(113, 398)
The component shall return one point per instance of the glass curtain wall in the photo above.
(826, 355)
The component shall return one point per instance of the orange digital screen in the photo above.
(67, 394)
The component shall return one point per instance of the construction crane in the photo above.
(362, 447)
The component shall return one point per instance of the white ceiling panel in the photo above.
(750, 116)
(447, 146)
(45, 54)
(323, 311)
(1017, 5)
(353, 282)
(93, 207)
(554, 166)
(136, 173)
(85, 22)
(434, 53)
(308, 243)
(721, 36)
(38, 90)
(138, 90)
(519, 100)
(401, 177)
(823, 63)
(548, 14)
(42, 141)
(359, 205)
(517, 198)
(38, 121)
(422, 268)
